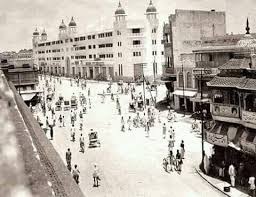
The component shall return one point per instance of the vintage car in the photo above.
(58, 106)
(93, 139)
(66, 105)
(73, 102)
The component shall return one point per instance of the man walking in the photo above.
(232, 174)
(75, 174)
(164, 131)
(95, 175)
(81, 140)
(68, 159)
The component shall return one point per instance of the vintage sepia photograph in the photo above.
(126, 98)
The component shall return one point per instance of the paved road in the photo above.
(130, 163)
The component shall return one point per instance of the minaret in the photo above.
(62, 30)
(44, 36)
(120, 13)
(151, 11)
(247, 27)
(72, 27)
(36, 38)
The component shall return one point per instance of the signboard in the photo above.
(217, 139)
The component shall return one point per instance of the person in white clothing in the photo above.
(232, 174)
(252, 186)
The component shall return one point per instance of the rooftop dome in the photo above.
(72, 22)
(151, 8)
(62, 25)
(36, 33)
(44, 33)
(248, 41)
(119, 10)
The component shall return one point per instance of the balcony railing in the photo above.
(225, 110)
(206, 64)
(249, 117)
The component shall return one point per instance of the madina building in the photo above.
(118, 53)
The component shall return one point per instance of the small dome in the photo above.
(151, 8)
(44, 33)
(72, 23)
(36, 33)
(62, 25)
(119, 10)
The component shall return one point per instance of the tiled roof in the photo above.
(249, 84)
(226, 81)
(233, 82)
(236, 64)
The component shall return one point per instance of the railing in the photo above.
(249, 117)
(225, 110)
(136, 34)
(206, 64)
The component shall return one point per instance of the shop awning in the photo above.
(218, 135)
(248, 141)
(185, 93)
(198, 99)
(28, 97)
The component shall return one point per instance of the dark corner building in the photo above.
(233, 106)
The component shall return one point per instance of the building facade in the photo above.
(182, 34)
(233, 107)
(126, 51)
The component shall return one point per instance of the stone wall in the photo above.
(51, 165)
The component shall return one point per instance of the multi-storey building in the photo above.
(126, 51)
(233, 107)
(19, 69)
(182, 34)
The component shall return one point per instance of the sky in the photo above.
(19, 18)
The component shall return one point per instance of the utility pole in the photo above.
(143, 77)
(183, 89)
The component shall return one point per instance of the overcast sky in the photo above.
(18, 18)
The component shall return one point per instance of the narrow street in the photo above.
(130, 163)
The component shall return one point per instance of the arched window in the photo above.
(181, 79)
(189, 80)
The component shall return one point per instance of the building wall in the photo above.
(189, 26)
(124, 54)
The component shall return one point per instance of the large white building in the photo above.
(123, 52)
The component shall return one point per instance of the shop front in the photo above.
(233, 144)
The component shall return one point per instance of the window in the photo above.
(71, 40)
(189, 80)
(94, 46)
(118, 33)
(210, 58)
(154, 53)
(76, 39)
(162, 53)
(181, 80)
(93, 36)
(89, 46)
(153, 42)
(90, 56)
(135, 54)
(82, 38)
(94, 56)
(109, 45)
(119, 44)
(154, 30)
(136, 42)
(136, 30)
(119, 55)
(89, 37)
(120, 69)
